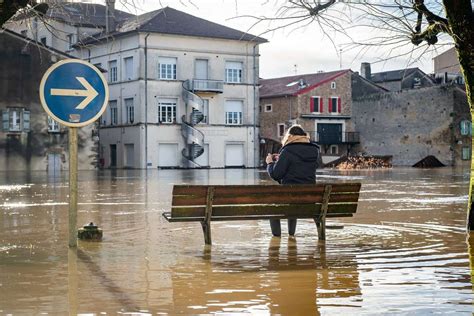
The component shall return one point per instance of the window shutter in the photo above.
(329, 105)
(311, 104)
(321, 108)
(339, 105)
(5, 116)
(26, 120)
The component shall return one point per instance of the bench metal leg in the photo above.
(206, 223)
(321, 221)
(321, 227)
(206, 229)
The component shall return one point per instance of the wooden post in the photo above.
(206, 223)
(321, 222)
(72, 186)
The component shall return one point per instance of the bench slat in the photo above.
(267, 198)
(201, 190)
(297, 210)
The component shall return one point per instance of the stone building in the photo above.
(412, 124)
(183, 92)
(320, 102)
(447, 69)
(29, 139)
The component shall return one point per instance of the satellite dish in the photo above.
(292, 83)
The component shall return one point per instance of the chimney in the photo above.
(365, 71)
(109, 16)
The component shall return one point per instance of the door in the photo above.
(329, 133)
(200, 69)
(167, 155)
(54, 164)
(113, 156)
(234, 155)
(203, 160)
(129, 155)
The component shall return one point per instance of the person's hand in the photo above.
(269, 159)
(275, 157)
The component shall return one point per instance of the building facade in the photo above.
(180, 97)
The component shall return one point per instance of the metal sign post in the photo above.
(75, 94)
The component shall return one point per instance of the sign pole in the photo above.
(72, 186)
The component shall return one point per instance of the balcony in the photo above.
(207, 85)
(335, 138)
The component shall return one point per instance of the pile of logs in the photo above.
(361, 162)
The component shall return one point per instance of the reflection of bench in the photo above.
(206, 203)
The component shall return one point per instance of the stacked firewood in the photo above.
(363, 162)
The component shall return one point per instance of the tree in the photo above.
(395, 24)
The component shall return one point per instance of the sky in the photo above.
(292, 50)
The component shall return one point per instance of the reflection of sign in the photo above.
(74, 92)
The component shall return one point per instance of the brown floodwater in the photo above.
(404, 252)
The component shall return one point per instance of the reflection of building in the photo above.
(320, 102)
(29, 139)
(182, 92)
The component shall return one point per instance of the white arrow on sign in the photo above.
(90, 93)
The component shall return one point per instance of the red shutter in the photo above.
(311, 104)
(321, 109)
(339, 105)
(329, 105)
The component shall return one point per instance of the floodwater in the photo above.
(404, 252)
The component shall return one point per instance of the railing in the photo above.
(207, 85)
(335, 138)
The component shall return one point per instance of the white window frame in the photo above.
(466, 150)
(53, 126)
(268, 105)
(316, 104)
(465, 127)
(167, 68)
(70, 40)
(113, 105)
(113, 71)
(278, 129)
(128, 74)
(129, 110)
(234, 117)
(167, 111)
(234, 73)
(14, 119)
(333, 85)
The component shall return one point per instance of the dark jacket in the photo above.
(297, 164)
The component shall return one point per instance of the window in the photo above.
(233, 71)
(53, 126)
(113, 112)
(315, 105)
(268, 108)
(466, 127)
(43, 41)
(333, 85)
(113, 71)
(130, 111)
(205, 111)
(281, 130)
(466, 153)
(128, 66)
(333, 149)
(70, 40)
(335, 105)
(233, 112)
(16, 120)
(167, 111)
(24, 33)
(167, 68)
(98, 65)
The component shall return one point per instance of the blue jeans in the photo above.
(276, 226)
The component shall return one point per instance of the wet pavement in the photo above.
(404, 252)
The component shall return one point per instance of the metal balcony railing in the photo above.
(207, 85)
(335, 138)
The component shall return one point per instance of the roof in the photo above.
(290, 85)
(171, 21)
(394, 75)
(76, 13)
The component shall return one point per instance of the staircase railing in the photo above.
(194, 138)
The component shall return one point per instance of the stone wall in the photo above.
(411, 124)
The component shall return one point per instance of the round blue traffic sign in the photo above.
(74, 92)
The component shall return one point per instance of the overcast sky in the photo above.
(291, 50)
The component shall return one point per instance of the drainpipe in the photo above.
(255, 101)
(146, 100)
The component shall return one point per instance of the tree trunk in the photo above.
(461, 23)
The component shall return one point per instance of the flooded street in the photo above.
(404, 252)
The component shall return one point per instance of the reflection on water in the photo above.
(404, 252)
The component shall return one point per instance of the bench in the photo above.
(206, 203)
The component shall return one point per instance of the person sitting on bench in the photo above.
(296, 163)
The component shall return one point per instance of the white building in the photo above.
(183, 93)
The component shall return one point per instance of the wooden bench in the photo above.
(206, 203)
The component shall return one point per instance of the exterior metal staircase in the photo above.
(194, 138)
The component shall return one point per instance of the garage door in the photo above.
(203, 160)
(234, 155)
(168, 155)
